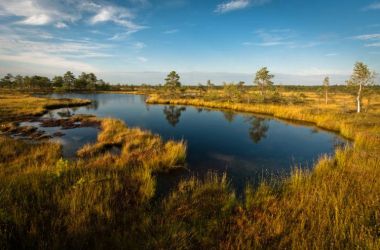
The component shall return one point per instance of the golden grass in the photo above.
(18, 106)
(331, 117)
(335, 205)
(101, 200)
(104, 198)
(137, 147)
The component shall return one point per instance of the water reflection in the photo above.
(93, 106)
(64, 113)
(173, 113)
(229, 115)
(259, 128)
(244, 146)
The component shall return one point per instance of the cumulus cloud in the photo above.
(37, 12)
(63, 12)
(238, 5)
(41, 19)
(36, 48)
(117, 15)
(61, 25)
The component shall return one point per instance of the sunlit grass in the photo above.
(137, 147)
(335, 205)
(17, 105)
(104, 199)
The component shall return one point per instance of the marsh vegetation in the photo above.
(105, 198)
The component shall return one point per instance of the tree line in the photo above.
(67, 82)
(360, 85)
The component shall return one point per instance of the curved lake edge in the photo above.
(268, 165)
(242, 168)
(181, 102)
(229, 107)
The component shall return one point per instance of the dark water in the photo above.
(245, 146)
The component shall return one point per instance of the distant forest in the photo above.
(67, 82)
(90, 82)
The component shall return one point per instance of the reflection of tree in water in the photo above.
(229, 115)
(147, 107)
(339, 142)
(143, 98)
(259, 128)
(173, 114)
(50, 114)
(64, 113)
(93, 106)
(74, 109)
(314, 131)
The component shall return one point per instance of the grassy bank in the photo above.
(100, 200)
(335, 117)
(103, 199)
(17, 106)
(336, 205)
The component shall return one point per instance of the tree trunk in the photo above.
(326, 97)
(358, 99)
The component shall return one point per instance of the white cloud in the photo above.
(47, 60)
(142, 59)
(331, 54)
(103, 16)
(38, 12)
(276, 37)
(61, 25)
(305, 45)
(269, 44)
(172, 31)
(118, 15)
(62, 12)
(314, 71)
(373, 6)
(377, 44)
(280, 37)
(139, 45)
(232, 5)
(40, 19)
(367, 37)
(373, 40)
(123, 35)
(238, 5)
(23, 46)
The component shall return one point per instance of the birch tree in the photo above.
(326, 84)
(361, 77)
(263, 79)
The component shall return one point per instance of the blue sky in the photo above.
(135, 41)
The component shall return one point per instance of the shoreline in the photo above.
(292, 113)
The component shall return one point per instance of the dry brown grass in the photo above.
(334, 206)
(19, 106)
